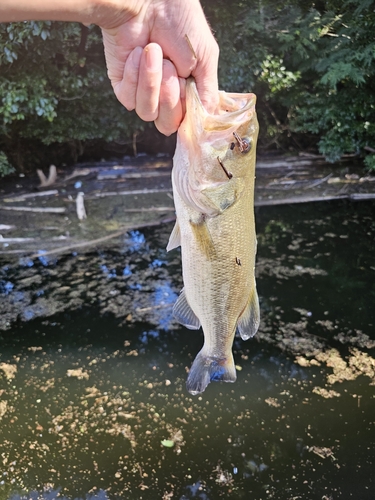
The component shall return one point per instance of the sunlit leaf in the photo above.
(167, 443)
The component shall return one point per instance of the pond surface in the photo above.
(93, 367)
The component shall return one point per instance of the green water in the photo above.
(93, 371)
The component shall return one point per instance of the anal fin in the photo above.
(249, 320)
(184, 313)
(209, 368)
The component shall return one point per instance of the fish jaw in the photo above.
(207, 154)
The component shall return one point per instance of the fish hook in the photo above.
(228, 174)
(243, 144)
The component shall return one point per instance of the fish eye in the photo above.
(246, 145)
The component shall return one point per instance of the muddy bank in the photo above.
(136, 192)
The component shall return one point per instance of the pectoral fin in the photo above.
(203, 238)
(184, 313)
(248, 322)
(175, 238)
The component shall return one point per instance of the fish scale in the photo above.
(213, 186)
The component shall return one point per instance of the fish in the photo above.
(213, 178)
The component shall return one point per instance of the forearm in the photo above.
(84, 11)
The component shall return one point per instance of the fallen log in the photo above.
(134, 191)
(12, 252)
(82, 244)
(298, 199)
(51, 210)
(52, 176)
(6, 227)
(23, 197)
(78, 173)
(80, 206)
(362, 196)
(309, 199)
(317, 182)
(151, 209)
(131, 175)
(15, 240)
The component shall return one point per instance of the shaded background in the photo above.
(311, 64)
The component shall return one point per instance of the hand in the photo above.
(149, 57)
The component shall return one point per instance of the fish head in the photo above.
(215, 153)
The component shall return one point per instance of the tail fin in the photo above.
(206, 368)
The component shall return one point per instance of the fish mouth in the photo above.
(234, 109)
(209, 146)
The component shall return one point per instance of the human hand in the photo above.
(149, 58)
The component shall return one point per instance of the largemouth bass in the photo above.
(213, 187)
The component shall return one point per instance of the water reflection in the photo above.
(157, 263)
(52, 494)
(25, 262)
(6, 287)
(127, 271)
(194, 491)
(134, 241)
(109, 273)
(93, 371)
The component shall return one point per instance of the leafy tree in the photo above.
(311, 65)
(339, 103)
(54, 90)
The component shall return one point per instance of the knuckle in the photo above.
(146, 115)
(164, 129)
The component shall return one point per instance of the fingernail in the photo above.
(152, 59)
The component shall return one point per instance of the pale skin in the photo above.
(147, 52)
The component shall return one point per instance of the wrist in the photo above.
(108, 13)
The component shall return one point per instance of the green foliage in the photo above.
(370, 162)
(276, 76)
(312, 66)
(341, 101)
(54, 89)
(5, 167)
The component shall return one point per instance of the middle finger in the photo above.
(170, 108)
